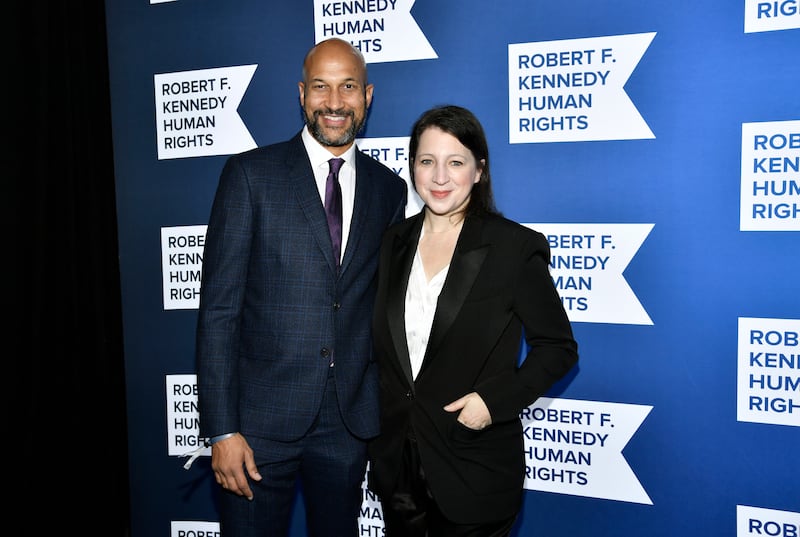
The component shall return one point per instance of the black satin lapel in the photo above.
(463, 270)
(360, 222)
(468, 257)
(400, 270)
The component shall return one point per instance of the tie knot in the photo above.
(335, 164)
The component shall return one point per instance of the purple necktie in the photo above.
(333, 207)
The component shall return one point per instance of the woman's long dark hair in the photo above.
(466, 128)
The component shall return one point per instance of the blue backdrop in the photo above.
(657, 144)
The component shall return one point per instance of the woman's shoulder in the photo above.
(502, 226)
(404, 226)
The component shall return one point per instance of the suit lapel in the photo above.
(403, 251)
(301, 177)
(359, 222)
(467, 260)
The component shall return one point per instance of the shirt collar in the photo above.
(319, 154)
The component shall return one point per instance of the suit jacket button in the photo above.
(325, 352)
(409, 395)
(336, 306)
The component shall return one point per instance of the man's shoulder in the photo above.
(503, 229)
(274, 150)
(405, 226)
(386, 176)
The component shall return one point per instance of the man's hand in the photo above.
(229, 459)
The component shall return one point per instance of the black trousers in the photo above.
(412, 511)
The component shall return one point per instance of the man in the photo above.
(287, 381)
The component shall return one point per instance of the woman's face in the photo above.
(444, 172)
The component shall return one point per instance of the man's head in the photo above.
(334, 93)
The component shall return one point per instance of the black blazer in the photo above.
(498, 283)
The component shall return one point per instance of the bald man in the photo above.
(288, 392)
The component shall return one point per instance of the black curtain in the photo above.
(69, 397)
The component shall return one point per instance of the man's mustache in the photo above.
(329, 112)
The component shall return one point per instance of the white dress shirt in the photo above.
(421, 299)
(319, 157)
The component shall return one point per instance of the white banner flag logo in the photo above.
(758, 521)
(183, 419)
(587, 262)
(575, 447)
(196, 112)
(761, 16)
(383, 30)
(573, 90)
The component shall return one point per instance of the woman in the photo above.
(458, 286)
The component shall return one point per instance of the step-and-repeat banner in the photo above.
(655, 144)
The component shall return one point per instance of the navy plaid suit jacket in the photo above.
(272, 306)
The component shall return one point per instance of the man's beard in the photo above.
(347, 136)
